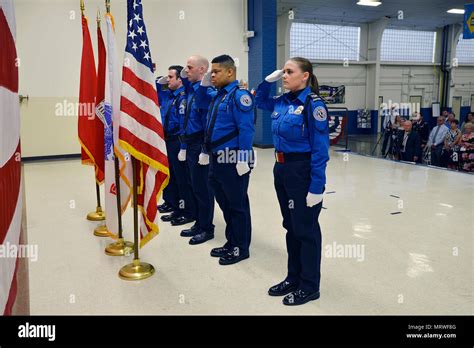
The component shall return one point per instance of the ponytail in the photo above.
(313, 83)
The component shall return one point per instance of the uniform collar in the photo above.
(178, 91)
(196, 85)
(229, 87)
(302, 96)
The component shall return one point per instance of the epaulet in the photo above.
(314, 97)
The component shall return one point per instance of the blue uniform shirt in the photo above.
(173, 109)
(292, 133)
(235, 113)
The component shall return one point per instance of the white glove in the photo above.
(203, 159)
(163, 80)
(242, 168)
(206, 80)
(183, 74)
(274, 76)
(313, 199)
(182, 155)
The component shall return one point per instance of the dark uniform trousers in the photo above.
(171, 193)
(303, 237)
(231, 194)
(203, 194)
(179, 184)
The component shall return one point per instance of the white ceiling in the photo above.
(417, 14)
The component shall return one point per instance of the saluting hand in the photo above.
(206, 80)
(163, 80)
(183, 74)
(274, 76)
(312, 199)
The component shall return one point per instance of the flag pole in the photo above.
(121, 247)
(136, 270)
(99, 214)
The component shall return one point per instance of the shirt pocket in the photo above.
(293, 127)
(275, 121)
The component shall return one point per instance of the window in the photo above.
(465, 50)
(408, 46)
(326, 42)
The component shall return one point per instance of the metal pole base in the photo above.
(136, 271)
(101, 231)
(119, 248)
(97, 215)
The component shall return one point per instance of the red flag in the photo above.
(90, 127)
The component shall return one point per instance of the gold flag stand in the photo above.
(98, 214)
(120, 247)
(136, 270)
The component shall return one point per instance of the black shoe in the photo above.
(299, 297)
(165, 208)
(219, 252)
(201, 238)
(233, 256)
(181, 221)
(282, 289)
(190, 232)
(169, 217)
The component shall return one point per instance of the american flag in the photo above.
(141, 130)
(10, 164)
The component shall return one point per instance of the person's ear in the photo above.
(305, 76)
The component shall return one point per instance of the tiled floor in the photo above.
(418, 261)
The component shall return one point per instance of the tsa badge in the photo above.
(299, 110)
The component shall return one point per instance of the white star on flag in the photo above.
(143, 44)
(132, 34)
(137, 18)
(140, 30)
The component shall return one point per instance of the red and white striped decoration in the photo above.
(10, 164)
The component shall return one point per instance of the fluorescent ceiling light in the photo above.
(455, 11)
(369, 3)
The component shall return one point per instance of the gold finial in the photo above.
(107, 5)
(83, 7)
(98, 15)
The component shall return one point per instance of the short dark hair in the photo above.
(225, 60)
(178, 69)
(454, 121)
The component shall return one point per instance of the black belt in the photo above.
(197, 137)
(292, 156)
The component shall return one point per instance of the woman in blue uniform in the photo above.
(300, 131)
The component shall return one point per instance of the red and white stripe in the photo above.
(141, 133)
(10, 164)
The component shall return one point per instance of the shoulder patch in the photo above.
(320, 114)
(244, 99)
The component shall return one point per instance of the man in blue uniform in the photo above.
(173, 108)
(229, 137)
(191, 149)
